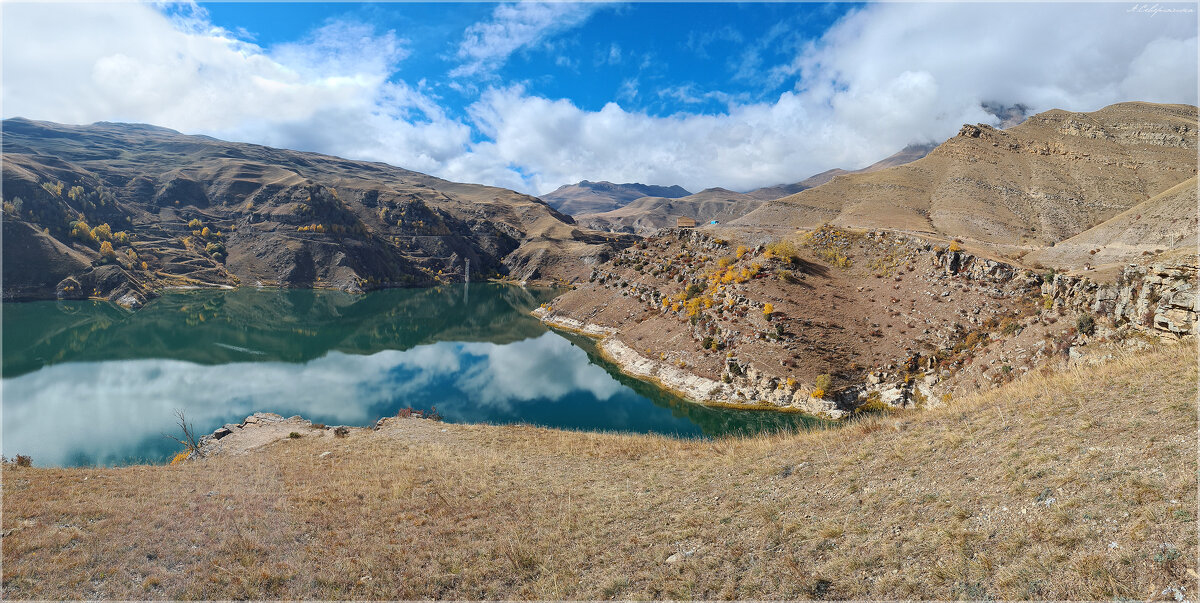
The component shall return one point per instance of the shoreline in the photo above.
(689, 386)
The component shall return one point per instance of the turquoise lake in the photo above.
(90, 383)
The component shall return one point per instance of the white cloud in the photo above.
(882, 77)
(131, 402)
(487, 45)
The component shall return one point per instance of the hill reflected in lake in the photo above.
(88, 383)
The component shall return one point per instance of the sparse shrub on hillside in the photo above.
(788, 276)
(768, 309)
(783, 250)
(1085, 324)
(81, 231)
(823, 383)
(216, 250)
(54, 189)
(195, 223)
(741, 251)
(102, 233)
(121, 237)
(341, 431)
(955, 245)
(106, 251)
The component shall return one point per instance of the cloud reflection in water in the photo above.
(111, 411)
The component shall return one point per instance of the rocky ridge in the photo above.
(118, 211)
(1027, 187)
(1029, 318)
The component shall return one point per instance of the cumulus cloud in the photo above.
(487, 45)
(883, 76)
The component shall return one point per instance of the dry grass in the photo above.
(1019, 493)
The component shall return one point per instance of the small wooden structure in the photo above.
(685, 223)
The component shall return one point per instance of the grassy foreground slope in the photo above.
(1076, 484)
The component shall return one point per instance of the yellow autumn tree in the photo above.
(102, 233)
(106, 251)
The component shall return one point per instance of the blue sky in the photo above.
(657, 58)
(530, 96)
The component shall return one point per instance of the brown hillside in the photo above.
(1047, 179)
(269, 216)
(1071, 485)
(595, 197)
(908, 154)
(1165, 222)
(649, 214)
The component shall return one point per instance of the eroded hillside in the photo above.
(116, 210)
(831, 321)
(1021, 189)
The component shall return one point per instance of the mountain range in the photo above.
(594, 197)
(118, 210)
(647, 214)
(1048, 179)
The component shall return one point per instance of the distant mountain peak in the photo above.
(588, 196)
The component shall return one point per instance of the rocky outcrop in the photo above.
(1159, 299)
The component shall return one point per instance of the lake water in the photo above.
(90, 383)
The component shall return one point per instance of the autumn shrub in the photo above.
(295, 435)
(81, 231)
(102, 233)
(873, 405)
(24, 460)
(768, 310)
(783, 250)
(106, 251)
(824, 381)
(195, 223)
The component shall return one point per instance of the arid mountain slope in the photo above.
(646, 215)
(908, 154)
(1165, 222)
(1047, 179)
(649, 214)
(201, 211)
(596, 197)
